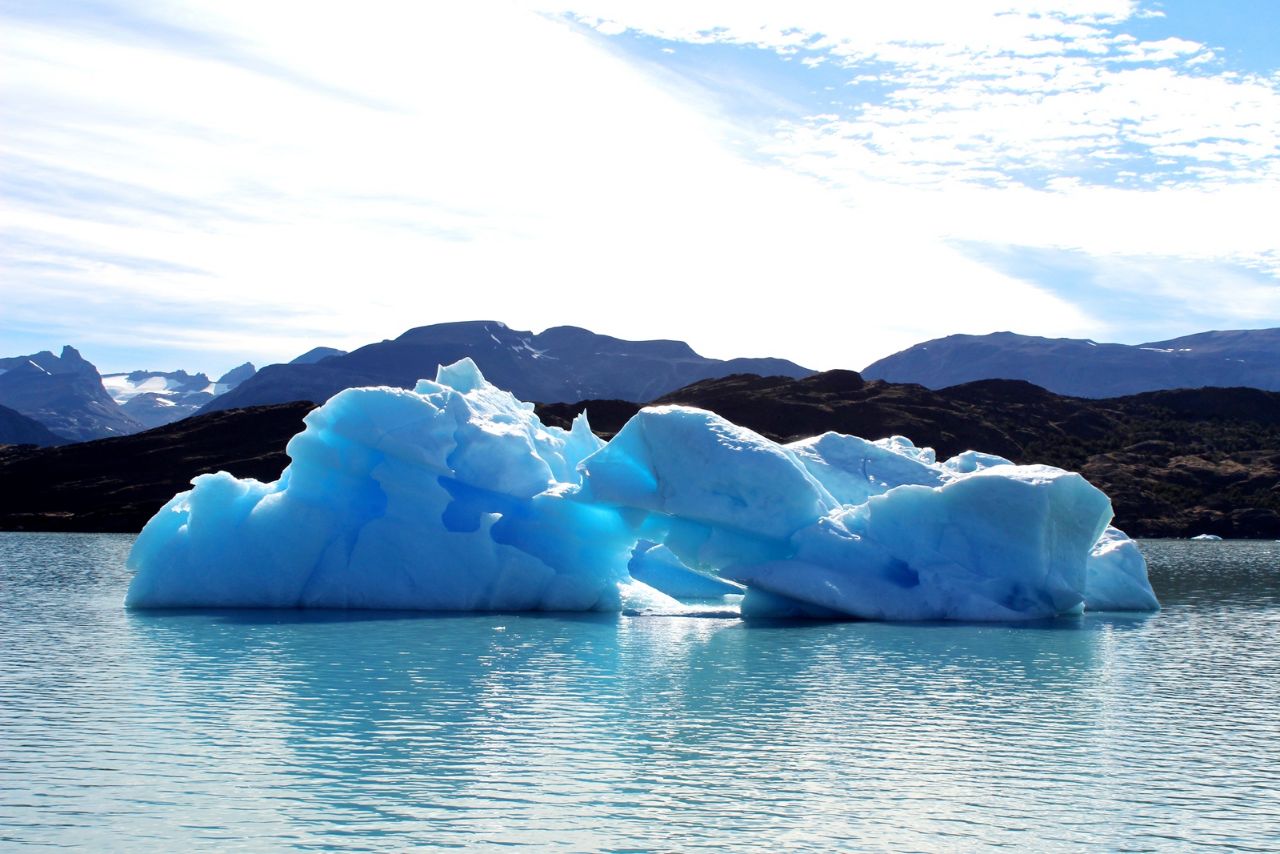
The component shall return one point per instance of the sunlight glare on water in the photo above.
(261, 730)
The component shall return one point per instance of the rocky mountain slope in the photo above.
(1249, 358)
(18, 429)
(64, 393)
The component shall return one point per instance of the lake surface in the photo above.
(268, 730)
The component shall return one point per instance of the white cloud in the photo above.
(1034, 123)
(294, 174)
(989, 91)
(485, 164)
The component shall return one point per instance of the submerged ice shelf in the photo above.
(454, 496)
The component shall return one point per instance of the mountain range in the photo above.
(1084, 368)
(65, 394)
(562, 363)
(154, 398)
(73, 402)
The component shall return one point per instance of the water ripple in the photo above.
(252, 731)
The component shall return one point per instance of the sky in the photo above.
(193, 185)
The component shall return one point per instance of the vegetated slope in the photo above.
(1249, 357)
(562, 363)
(117, 484)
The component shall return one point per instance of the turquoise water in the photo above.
(262, 731)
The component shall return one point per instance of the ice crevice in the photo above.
(454, 496)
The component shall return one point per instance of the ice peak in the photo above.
(462, 376)
(580, 426)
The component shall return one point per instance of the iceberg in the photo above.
(1117, 578)
(455, 497)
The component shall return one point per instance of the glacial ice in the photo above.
(454, 496)
(658, 567)
(1117, 579)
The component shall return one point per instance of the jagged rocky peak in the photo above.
(45, 362)
(155, 398)
(64, 393)
(71, 360)
(123, 386)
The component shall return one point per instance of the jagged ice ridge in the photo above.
(454, 496)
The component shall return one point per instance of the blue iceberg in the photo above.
(1117, 579)
(657, 566)
(454, 496)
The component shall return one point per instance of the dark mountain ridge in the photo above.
(316, 354)
(118, 484)
(234, 377)
(1083, 368)
(18, 429)
(562, 363)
